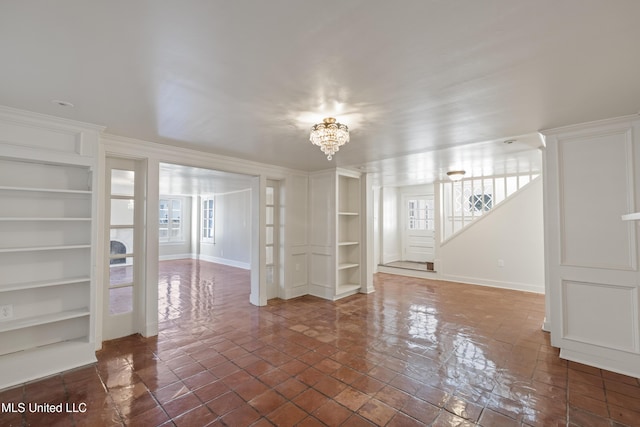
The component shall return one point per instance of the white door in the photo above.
(121, 297)
(418, 230)
(272, 239)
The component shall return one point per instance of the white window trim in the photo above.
(169, 225)
(212, 235)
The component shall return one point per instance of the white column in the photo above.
(150, 309)
(367, 207)
(258, 294)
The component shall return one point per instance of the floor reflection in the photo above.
(415, 352)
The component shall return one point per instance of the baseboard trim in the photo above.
(296, 292)
(175, 257)
(627, 364)
(526, 287)
(224, 261)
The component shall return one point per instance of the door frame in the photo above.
(150, 156)
(136, 320)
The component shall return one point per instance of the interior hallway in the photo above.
(415, 352)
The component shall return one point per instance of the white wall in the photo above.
(232, 231)
(390, 231)
(322, 237)
(295, 199)
(513, 233)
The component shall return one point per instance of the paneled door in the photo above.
(121, 294)
(418, 231)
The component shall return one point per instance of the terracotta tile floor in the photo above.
(415, 352)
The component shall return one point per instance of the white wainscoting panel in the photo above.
(596, 188)
(322, 206)
(321, 281)
(601, 314)
(300, 272)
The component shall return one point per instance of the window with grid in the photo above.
(208, 221)
(170, 220)
(420, 214)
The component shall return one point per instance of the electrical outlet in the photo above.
(500, 263)
(6, 312)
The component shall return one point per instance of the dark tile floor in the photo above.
(415, 352)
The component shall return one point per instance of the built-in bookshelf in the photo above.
(46, 285)
(348, 231)
(336, 240)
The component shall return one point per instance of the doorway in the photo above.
(418, 237)
(206, 216)
(124, 210)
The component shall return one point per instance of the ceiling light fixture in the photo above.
(329, 136)
(455, 175)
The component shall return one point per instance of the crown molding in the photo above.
(627, 120)
(45, 120)
(166, 153)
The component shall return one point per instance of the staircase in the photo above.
(466, 201)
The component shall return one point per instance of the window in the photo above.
(170, 218)
(480, 202)
(208, 224)
(420, 214)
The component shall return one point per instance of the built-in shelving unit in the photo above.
(348, 233)
(46, 285)
(336, 239)
(27, 322)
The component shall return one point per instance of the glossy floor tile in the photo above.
(415, 352)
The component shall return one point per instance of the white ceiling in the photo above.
(248, 78)
(190, 181)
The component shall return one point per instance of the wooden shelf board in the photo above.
(42, 284)
(44, 190)
(28, 322)
(347, 287)
(44, 248)
(26, 365)
(346, 265)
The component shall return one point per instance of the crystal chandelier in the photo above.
(329, 136)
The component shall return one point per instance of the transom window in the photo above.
(170, 218)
